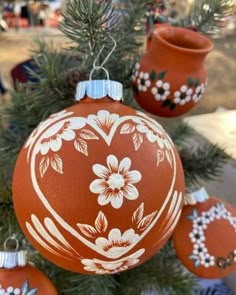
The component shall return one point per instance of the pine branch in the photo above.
(207, 15)
(163, 273)
(202, 163)
(181, 134)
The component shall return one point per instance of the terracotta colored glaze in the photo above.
(12, 281)
(170, 79)
(98, 188)
(205, 238)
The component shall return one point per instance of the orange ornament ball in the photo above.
(207, 231)
(19, 278)
(98, 188)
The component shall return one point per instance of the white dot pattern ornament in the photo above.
(200, 254)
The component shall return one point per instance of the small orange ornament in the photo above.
(205, 238)
(98, 188)
(19, 278)
(170, 78)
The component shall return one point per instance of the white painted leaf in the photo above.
(138, 140)
(33, 292)
(43, 166)
(25, 287)
(146, 221)
(168, 157)
(81, 146)
(101, 222)
(57, 164)
(127, 129)
(87, 230)
(87, 134)
(138, 214)
(160, 157)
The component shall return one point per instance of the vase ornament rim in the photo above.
(195, 36)
(196, 197)
(98, 89)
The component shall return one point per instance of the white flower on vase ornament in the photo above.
(183, 95)
(198, 92)
(153, 136)
(63, 130)
(9, 291)
(108, 267)
(104, 120)
(161, 91)
(115, 182)
(136, 71)
(143, 81)
(207, 260)
(116, 243)
(199, 224)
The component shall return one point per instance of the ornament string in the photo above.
(97, 67)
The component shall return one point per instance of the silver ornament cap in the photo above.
(199, 196)
(11, 258)
(97, 89)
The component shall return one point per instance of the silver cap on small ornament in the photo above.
(11, 257)
(193, 198)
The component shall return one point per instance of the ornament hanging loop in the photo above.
(108, 55)
(97, 69)
(8, 243)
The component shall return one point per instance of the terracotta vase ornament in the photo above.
(207, 230)
(170, 79)
(17, 277)
(98, 188)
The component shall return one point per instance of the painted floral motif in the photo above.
(161, 91)
(63, 130)
(143, 81)
(200, 254)
(183, 95)
(10, 291)
(136, 71)
(25, 290)
(198, 92)
(116, 243)
(104, 120)
(115, 182)
(153, 136)
(109, 267)
(45, 123)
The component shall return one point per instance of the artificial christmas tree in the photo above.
(89, 24)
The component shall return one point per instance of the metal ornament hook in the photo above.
(97, 69)
(107, 57)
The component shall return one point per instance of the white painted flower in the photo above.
(117, 244)
(153, 135)
(198, 92)
(161, 91)
(207, 260)
(183, 95)
(108, 267)
(207, 217)
(199, 224)
(143, 81)
(115, 182)
(104, 120)
(136, 71)
(45, 123)
(197, 236)
(199, 249)
(10, 291)
(63, 130)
